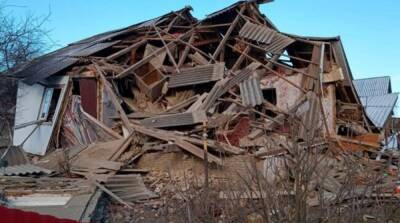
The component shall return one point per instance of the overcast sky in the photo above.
(369, 29)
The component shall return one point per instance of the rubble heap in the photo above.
(166, 94)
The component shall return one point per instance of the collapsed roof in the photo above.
(236, 50)
(229, 87)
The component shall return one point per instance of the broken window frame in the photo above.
(45, 106)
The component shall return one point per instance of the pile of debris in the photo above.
(157, 98)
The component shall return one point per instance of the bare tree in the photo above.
(21, 40)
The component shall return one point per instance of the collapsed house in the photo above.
(378, 101)
(141, 73)
(231, 81)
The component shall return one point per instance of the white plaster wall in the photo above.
(287, 95)
(29, 99)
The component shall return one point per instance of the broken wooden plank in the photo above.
(170, 137)
(126, 50)
(146, 59)
(114, 99)
(182, 105)
(335, 75)
(103, 188)
(173, 120)
(167, 49)
(227, 35)
(185, 52)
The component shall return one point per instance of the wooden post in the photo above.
(186, 51)
(270, 69)
(227, 34)
(145, 60)
(171, 57)
(114, 99)
(206, 186)
(239, 61)
(126, 50)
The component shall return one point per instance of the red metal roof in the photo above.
(18, 216)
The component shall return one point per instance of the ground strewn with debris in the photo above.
(176, 119)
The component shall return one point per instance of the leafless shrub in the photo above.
(308, 184)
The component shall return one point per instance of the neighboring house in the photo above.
(378, 101)
(377, 98)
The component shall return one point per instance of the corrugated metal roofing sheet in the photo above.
(181, 119)
(25, 169)
(49, 64)
(372, 86)
(250, 92)
(278, 43)
(222, 86)
(257, 33)
(129, 188)
(379, 108)
(197, 75)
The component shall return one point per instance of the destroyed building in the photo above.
(231, 81)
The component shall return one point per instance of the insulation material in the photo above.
(78, 129)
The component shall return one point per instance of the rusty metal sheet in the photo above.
(15, 215)
(257, 33)
(88, 92)
(197, 75)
